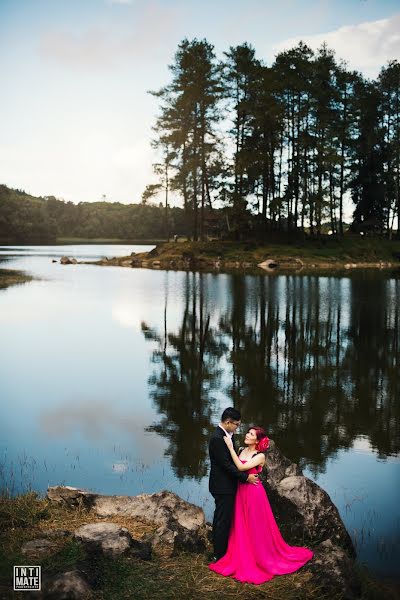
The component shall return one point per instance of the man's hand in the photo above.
(228, 441)
(253, 478)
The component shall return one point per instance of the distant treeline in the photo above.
(280, 146)
(25, 218)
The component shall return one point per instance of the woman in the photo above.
(256, 550)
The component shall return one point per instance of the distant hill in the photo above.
(29, 219)
(24, 218)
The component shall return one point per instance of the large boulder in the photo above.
(334, 572)
(181, 525)
(278, 466)
(319, 518)
(304, 511)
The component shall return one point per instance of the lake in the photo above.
(112, 379)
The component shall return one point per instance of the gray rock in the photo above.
(108, 538)
(319, 517)
(278, 466)
(186, 521)
(39, 547)
(334, 571)
(304, 511)
(70, 496)
(70, 585)
(163, 542)
(64, 260)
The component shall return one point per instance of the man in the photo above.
(223, 479)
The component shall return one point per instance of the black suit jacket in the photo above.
(223, 474)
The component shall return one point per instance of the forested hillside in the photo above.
(27, 219)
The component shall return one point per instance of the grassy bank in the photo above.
(324, 254)
(77, 240)
(8, 277)
(183, 577)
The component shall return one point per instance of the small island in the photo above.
(309, 256)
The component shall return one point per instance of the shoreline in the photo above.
(229, 257)
(109, 545)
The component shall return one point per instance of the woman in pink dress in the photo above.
(256, 550)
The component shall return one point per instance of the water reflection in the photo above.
(186, 370)
(314, 358)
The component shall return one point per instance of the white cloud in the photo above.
(129, 43)
(94, 419)
(366, 47)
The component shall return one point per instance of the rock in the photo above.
(108, 538)
(74, 261)
(70, 585)
(304, 511)
(64, 260)
(334, 571)
(163, 542)
(39, 548)
(156, 264)
(112, 540)
(319, 518)
(70, 496)
(278, 466)
(186, 521)
(268, 265)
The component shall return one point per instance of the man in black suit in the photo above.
(223, 479)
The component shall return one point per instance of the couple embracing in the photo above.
(248, 545)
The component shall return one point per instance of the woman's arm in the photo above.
(259, 459)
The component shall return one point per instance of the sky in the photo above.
(75, 112)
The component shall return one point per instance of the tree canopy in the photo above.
(280, 146)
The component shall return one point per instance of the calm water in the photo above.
(112, 379)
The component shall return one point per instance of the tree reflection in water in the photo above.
(314, 359)
(186, 372)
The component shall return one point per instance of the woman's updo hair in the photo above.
(262, 440)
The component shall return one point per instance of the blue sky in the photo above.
(75, 115)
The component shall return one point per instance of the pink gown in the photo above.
(256, 550)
